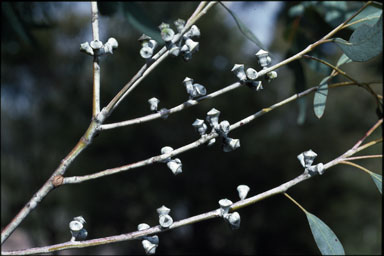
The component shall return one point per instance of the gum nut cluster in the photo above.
(150, 243)
(194, 90)
(306, 159)
(222, 129)
(232, 218)
(174, 165)
(97, 47)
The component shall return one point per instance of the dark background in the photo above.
(46, 98)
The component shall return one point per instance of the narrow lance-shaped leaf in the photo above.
(365, 42)
(320, 98)
(377, 178)
(325, 238)
(244, 30)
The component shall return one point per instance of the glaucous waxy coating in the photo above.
(243, 191)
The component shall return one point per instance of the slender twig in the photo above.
(357, 166)
(96, 65)
(362, 157)
(368, 133)
(191, 103)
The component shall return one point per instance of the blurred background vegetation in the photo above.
(46, 95)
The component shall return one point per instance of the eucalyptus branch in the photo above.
(195, 144)
(281, 189)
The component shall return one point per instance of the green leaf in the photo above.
(365, 42)
(244, 30)
(343, 60)
(377, 178)
(320, 98)
(326, 240)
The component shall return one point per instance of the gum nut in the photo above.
(179, 23)
(163, 25)
(197, 123)
(96, 44)
(251, 74)
(167, 34)
(200, 89)
(142, 226)
(225, 204)
(213, 113)
(309, 157)
(75, 225)
(187, 81)
(153, 239)
(154, 100)
(203, 129)
(175, 166)
(224, 126)
(211, 142)
(261, 53)
(234, 220)
(152, 44)
(85, 47)
(163, 210)
(234, 143)
(149, 247)
(166, 150)
(243, 191)
(113, 42)
(164, 113)
(192, 45)
(175, 51)
(238, 69)
(83, 233)
(320, 168)
(165, 221)
(194, 31)
(184, 48)
(146, 52)
(301, 159)
(80, 219)
(144, 38)
(272, 74)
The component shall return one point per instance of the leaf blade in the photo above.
(320, 98)
(325, 238)
(378, 179)
(365, 42)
